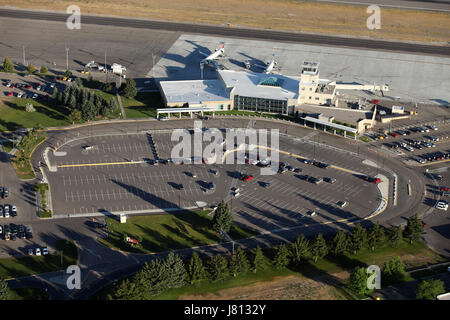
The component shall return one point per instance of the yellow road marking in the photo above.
(95, 164)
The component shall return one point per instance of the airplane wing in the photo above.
(203, 54)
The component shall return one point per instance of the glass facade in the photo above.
(260, 104)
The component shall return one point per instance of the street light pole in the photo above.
(67, 58)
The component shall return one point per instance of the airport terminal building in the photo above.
(234, 90)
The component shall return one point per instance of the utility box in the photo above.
(123, 218)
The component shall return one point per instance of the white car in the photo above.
(311, 213)
(34, 96)
(442, 205)
(19, 95)
(44, 251)
(14, 209)
(37, 251)
(52, 85)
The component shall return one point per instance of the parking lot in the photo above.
(417, 143)
(29, 87)
(119, 175)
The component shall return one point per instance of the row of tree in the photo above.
(8, 66)
(159, 276)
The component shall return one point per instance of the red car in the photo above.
(28, 86)
(395, 135)
(372, 179)
(247, 177)
(444, 188)
(9, 94)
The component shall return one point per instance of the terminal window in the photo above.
(260, 104)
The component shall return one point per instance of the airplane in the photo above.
(211, 59)
(268, 68)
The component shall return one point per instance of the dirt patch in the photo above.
(280, 288)
(335, 19)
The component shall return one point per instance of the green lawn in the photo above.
(17, 267)
(144, 105)
(28, 294)
(13, 115)
(165, 232)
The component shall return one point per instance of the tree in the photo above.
(174, 271)
(8, 66)
(358, 238)
(55, 93)
(376, 237)
(258, 259)
(4, 290)
(67, 93)
(43, 70)
(196, 270)
(75, 116)
(78, 82)
(72, 101)
(281, 258)
(128, 89)
(430, 289)
(60, 97)
(319, 248)
(113, 104)
(67, 74)
(414, 228)
(393, 271)
(222, 219)
(299, 249)
(394, 236)
(123, 290)
(358, 281)
(87, 111)
(238, 262)
(340, 243)
(31, 69)
(218, 268)
(29, 107)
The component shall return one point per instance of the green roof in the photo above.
(271, 81)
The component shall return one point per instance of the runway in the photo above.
(234, 32)
(429, 5)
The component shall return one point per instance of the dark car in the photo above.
(297, 170)
(29, 236)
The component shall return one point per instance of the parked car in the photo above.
(30, 252)
(372, 179)
(311, 213)
(442, 205)
(330, 180)
(13, 211)
(44, 251)
(342, 204)
(37, 251)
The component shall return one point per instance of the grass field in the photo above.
(290, 15)
(164, 232)
(144, 105)
(271, 279)
(13, 115)
(17, 267)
